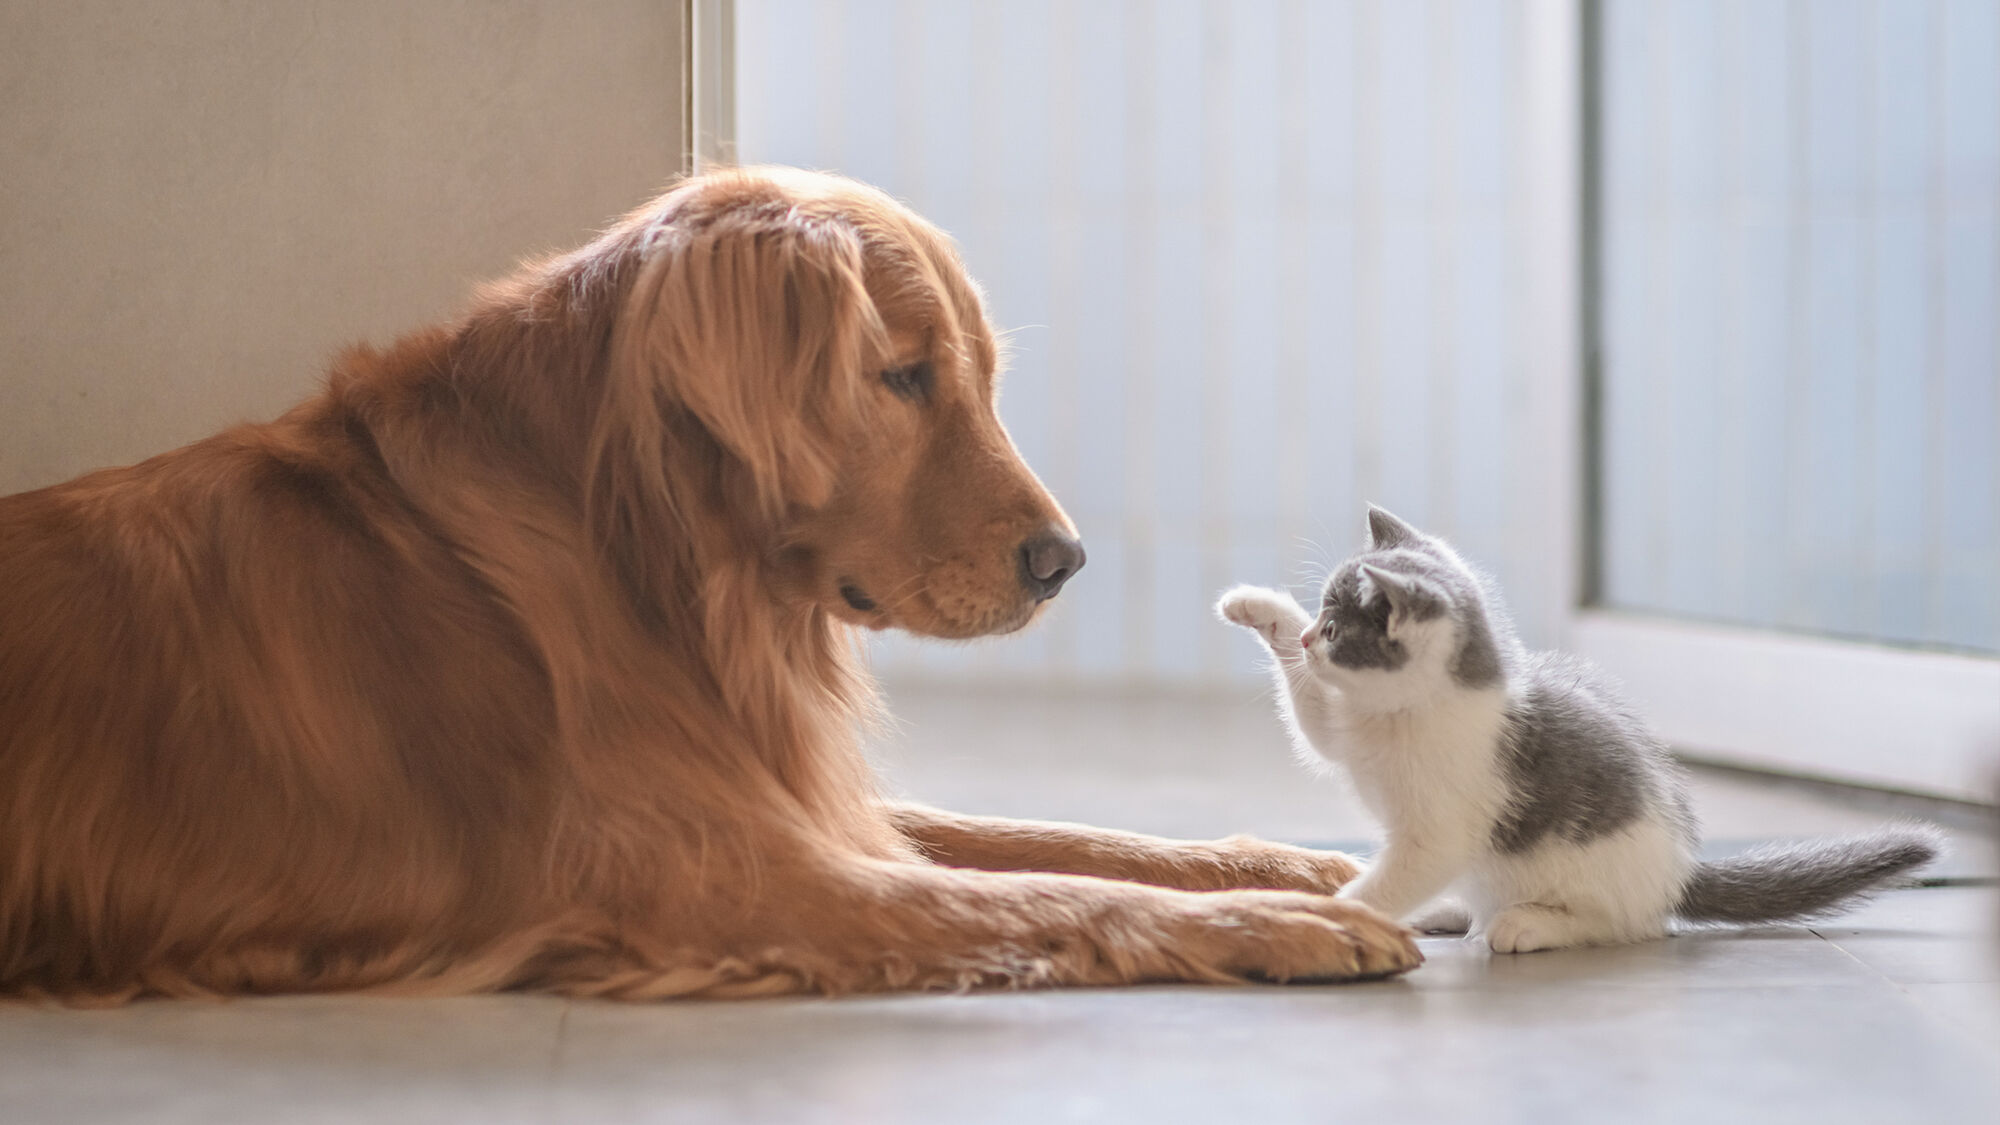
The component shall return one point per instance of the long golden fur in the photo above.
(522, 657)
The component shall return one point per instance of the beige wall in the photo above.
(200, 201)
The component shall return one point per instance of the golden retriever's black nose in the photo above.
(1048, 561)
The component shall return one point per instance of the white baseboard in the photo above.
(1918, 721)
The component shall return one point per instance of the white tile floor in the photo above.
(1892, 1014)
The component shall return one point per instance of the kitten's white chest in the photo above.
(1437, 764)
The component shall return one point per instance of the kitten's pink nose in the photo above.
(1306, 638)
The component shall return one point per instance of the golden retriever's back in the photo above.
(251, 702)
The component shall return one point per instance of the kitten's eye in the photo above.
(912, 383)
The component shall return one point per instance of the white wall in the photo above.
(200, 201)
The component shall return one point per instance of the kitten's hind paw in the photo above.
(1272, 614)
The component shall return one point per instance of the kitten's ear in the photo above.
(1386, 531)
(1407, 597)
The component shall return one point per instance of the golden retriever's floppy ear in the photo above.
(755, 320)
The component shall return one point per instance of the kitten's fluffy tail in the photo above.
(1787, 882)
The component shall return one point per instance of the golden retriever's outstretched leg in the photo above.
(875, 925)
(998, 844)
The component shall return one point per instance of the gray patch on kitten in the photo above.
(1360, 630)
(1579, 764)
(1477, 662)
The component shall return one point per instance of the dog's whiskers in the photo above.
(902, 594)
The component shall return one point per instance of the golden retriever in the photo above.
(523, 656)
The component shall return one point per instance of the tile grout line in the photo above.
(562, 1034)
(1880, 974)
(552, 1093)
(1946, 1018)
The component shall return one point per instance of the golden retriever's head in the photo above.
(830, 344)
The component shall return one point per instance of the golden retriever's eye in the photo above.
(912, 382)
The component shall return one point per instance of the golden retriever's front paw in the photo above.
(1281, 937)
(1251, 862)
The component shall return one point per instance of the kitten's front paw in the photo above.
(1274, 615)
(1443, 918)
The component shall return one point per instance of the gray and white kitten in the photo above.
(1519, 781)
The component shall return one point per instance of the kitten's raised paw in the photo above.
(1274, 615)
(1529, 928)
